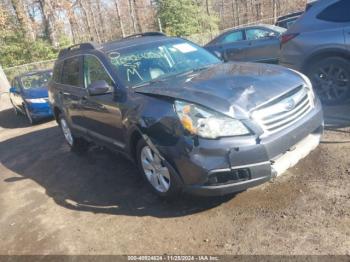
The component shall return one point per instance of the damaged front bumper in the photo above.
(244, 177)
(229, 165)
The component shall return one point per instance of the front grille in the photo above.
(284, 111)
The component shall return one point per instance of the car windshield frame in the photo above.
(32, 77)
(120, 57)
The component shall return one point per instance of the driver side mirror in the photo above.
(99, 87)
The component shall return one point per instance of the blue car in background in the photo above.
(29, 95)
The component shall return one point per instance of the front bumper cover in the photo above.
(196, 161)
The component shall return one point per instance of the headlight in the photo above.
(36, 100)
(206, 123)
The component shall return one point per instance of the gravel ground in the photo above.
(55, 202)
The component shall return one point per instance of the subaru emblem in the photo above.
(290, 104)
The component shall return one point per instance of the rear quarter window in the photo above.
(338, 12)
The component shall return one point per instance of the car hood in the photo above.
(35, 93)
(230, 88)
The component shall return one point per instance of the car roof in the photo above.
(128, 42)
(133, 40)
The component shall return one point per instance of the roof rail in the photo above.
(82, 46)
(146, 34)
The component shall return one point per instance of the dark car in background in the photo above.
(190, 122)
(287, 21)
(258, 43)
(29, 95)
(318, 45)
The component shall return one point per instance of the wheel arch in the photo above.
(325, 53)
(134, 138)
(56, 113)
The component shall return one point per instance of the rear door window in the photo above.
(337, 12)
(71, 74)
(232, 37)
(257, 33)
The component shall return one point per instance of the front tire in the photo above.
(15, 110)
(78, 145)
(331, 79)
(29, 116)
(161, 179)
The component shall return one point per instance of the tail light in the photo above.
(287, 37)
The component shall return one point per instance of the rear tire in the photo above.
(76, 144)
(161, 179)
(331, 79)
(15, 110)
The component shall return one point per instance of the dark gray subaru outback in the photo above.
(191, 122)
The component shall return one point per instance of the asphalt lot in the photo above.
(53, 201)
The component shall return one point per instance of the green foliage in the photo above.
(64, 41)
(185, 17)
(16, 50)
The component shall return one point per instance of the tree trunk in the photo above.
(132, 16)
(93, 16)
(103, 33)
(73, 26)
(121, 25)
(86, 18)
(23, 19)
(237, 13)
(136, 12)
(49, 20)
(274, 11)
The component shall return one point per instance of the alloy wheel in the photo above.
(331, 82)
(66, 132)
(156, 173)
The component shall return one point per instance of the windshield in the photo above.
(39, 80)
(142, 64)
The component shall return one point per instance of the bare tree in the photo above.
(92, 16)
(49, 20)
(132, 15)
(86, 18)
(121, 25)
(102, 31)
(23, 19)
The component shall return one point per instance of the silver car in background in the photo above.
(318, 44)
(259, 43)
